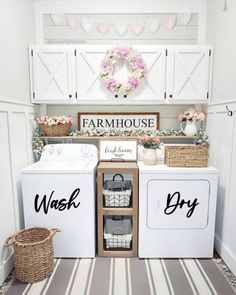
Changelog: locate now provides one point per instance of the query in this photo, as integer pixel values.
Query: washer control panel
(69, 152)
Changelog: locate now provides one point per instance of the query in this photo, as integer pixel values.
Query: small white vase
(149, 157)
(190, 128)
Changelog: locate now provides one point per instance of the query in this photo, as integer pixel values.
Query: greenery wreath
(137, 65)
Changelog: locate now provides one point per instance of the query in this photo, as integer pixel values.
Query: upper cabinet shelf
(70, 74)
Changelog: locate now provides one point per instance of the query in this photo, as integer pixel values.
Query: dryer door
(177, 204)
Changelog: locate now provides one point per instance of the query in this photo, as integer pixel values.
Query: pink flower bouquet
(150, 141)
(191, 115)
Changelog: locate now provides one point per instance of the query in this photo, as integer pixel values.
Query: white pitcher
(190, 128)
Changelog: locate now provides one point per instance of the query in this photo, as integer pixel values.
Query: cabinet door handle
(170, 95)
(70, 95)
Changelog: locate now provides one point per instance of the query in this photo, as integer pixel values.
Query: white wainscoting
(222, 134)
(15, 153)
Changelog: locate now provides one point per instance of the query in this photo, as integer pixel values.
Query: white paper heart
(103, 28)
(121, 28)
(137, 28)
(169, 22)
(57, 18)
(184, 18)
(153, 25)
(87, 25)
(72, 22)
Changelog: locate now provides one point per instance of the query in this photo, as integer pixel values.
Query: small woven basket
(56, 130)
(186, 156)
(33, 253)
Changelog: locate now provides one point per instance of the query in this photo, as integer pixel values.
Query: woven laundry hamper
(33, 253)
(56, 130)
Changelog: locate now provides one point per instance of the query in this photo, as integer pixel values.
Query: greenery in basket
(150, 141)
(37, 143)
(54, 120)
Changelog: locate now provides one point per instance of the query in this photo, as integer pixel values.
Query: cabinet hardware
(170, 95)
(209, 52)
(75, 52)
(166, 52)
(70, 95)
(33, 94)
(76, 94)
(165, 95)
(230, 113)
(32, 52)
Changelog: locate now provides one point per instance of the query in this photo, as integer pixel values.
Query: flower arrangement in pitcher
(191, 115)
(150, 141)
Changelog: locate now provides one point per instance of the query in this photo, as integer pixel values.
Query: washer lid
(61, 167)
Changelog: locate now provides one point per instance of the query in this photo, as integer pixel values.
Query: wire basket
(118, 232)
(56, 130)
(186, 156)
(33, 253)
(117, 192)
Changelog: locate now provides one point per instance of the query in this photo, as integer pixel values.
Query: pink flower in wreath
(134, 82)
(111, 84)
(122, 51)
(107, 65)
(138, 63)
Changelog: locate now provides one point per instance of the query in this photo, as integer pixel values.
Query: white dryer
(176, 211)
(59, 192)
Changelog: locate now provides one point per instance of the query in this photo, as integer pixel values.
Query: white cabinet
(70, 74)
(52, 73)
(91, 88)
(188, 73)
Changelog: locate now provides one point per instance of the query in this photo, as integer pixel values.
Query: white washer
(176, 211)
(59, 192)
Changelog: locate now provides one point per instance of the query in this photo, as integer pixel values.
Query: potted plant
(151, 144)
(55, 125)
(189, 118)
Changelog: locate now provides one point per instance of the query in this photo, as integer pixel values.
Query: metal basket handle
(117, 231)
(121, 176)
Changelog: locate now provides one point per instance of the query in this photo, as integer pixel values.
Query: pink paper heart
(72, 22)
(137, 28)
(103, 28)
(169, 22)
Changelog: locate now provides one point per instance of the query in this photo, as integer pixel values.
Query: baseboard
(6, 268)
(228, 257)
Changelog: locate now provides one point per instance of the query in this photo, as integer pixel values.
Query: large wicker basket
(33, 253)
(56, 130)
(186, 156)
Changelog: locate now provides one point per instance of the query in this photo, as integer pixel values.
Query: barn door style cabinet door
(92, 90)
(52, 74)
(188, 74)
(70, 74)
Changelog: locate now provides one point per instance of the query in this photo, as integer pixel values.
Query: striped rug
(126, 276)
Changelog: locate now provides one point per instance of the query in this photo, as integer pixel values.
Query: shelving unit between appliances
(117, 223)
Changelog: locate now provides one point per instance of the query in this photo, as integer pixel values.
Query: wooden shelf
(114, 137)
(123, 168)
(117, 211)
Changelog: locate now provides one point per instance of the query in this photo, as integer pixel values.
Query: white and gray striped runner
(129, 276)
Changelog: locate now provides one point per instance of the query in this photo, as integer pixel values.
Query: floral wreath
(134, 59)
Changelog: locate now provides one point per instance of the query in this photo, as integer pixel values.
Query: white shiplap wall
(15, 153)
(222, 130)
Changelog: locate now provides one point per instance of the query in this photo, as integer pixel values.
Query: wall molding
(16, 102)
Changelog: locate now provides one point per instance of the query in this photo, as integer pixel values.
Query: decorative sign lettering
(57, 204)
(127, 121)
(174, 201)
(124, 150)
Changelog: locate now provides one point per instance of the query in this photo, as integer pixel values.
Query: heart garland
(184, 18)
(73, 22)
(137, 28)
(103, 28)
(87, 25)
(169, 22)
(57, 18)
(121, 28)
(153, 25)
